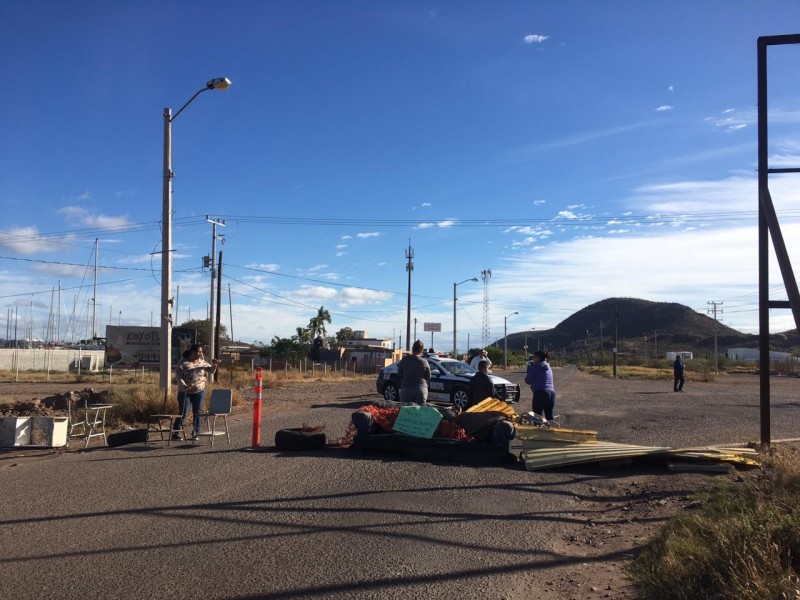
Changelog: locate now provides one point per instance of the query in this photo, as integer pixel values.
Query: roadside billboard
(132, 347)
(437, 327)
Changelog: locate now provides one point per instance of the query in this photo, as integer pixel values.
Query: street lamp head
(475, 279)
(220, 83)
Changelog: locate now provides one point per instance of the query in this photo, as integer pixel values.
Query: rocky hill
(643, 326)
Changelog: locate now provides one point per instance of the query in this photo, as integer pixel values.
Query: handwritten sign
(418, 421)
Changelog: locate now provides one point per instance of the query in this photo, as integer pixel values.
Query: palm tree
(302, 336)
(316, 326)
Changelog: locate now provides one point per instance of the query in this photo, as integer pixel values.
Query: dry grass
(631, 372)
(53, 376)
(744, 543)
(135, 402)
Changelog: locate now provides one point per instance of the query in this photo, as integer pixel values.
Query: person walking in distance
(677, 373)
(191, 375)
(540, 378)
(415, 375)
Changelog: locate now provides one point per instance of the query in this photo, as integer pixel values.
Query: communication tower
(486, 274)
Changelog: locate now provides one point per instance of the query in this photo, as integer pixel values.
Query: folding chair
(219, 406)
(162, 424)
(92, 425)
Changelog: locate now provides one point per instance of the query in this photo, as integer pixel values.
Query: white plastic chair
(219, 406)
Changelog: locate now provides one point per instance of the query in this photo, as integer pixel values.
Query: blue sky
(579, 150)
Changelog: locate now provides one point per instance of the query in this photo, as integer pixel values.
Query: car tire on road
(391, 393)
(460, 397)
(297, 439)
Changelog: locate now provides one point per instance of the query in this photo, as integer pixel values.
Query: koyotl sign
(131, 347)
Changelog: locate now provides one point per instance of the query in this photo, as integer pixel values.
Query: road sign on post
(432, 327)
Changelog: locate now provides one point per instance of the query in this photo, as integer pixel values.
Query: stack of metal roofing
(545, 454)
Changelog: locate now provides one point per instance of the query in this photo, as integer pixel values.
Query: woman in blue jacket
(540, 378)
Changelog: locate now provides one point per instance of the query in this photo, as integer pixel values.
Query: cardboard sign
(418, 421)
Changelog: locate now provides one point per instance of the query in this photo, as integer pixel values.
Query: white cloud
(347, 237)
(426, 204)
(444, 224)
(671, 88)
(369, 234)
(572, 216)
(82, 216)
(27, 241)
(316, 268)
(529, 152)
(264, 266)
(341, 246)
(686, 267)
(317, 292)
(361, 297)
(535, 38)
(664, 108)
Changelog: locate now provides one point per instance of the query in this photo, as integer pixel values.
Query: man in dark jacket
(481, 386)
(677, 372)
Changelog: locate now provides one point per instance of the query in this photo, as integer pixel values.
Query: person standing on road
(478, 358)
(540, 378)
(481, 386)
(677, 374)
(191, 375)
(182, 407)
(415, 375)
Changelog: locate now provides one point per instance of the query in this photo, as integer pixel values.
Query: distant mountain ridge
(661, 326)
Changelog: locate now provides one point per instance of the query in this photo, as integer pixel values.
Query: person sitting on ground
(481, 386)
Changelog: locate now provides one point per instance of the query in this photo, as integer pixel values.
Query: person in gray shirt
(415, 375)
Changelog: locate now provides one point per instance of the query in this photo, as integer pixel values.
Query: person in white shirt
(478, 358)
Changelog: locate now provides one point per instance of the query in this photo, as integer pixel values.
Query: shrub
(744, 543)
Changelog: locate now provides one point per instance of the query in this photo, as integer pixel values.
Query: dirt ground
(607, 513)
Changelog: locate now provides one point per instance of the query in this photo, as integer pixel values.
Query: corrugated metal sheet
(491, 405)
(573, 454)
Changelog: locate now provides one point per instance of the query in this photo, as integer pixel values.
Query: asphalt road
(189, 521)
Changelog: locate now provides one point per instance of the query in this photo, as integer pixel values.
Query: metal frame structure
(768, 226)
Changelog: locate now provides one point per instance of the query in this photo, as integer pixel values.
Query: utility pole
(616, 339)
(716, 307)
(94, 293)
(409, 268)
(602, 349)
(211, 309)
(219, 314)
(655, 342)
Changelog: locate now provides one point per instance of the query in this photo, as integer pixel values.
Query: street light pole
(505, 339)
(455, 285)
(165, 363)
